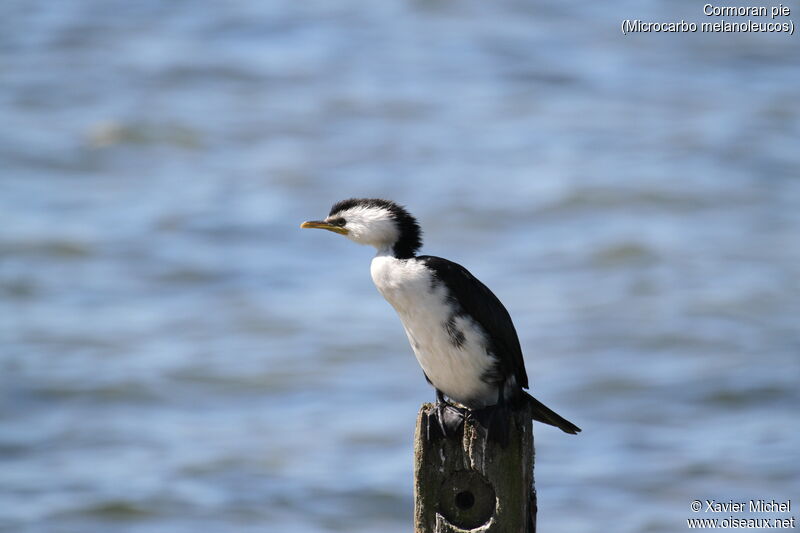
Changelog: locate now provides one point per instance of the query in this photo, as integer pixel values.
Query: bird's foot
(495, 419)
(448, 419)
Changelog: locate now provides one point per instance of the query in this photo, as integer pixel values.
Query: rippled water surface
(177, 355)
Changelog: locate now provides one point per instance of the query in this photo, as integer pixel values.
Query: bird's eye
(337, 222)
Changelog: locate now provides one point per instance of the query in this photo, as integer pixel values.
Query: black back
(471, 297)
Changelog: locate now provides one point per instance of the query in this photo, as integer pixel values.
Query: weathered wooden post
(464, 484)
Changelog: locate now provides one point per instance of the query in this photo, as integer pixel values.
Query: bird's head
(379, 223)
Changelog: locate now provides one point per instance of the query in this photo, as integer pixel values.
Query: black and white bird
(461, 334)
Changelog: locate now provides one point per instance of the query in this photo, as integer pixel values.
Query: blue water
(176, 355)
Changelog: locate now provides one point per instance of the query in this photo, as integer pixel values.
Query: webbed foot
(495, 421)
(447, 419)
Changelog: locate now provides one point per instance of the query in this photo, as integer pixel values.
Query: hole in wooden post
(466, 499)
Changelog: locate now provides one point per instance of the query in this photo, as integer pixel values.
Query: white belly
(456, 369)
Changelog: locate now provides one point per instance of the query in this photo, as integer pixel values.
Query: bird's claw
(440, 410)
(449, 420)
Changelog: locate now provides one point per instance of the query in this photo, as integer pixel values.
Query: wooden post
(463, 484)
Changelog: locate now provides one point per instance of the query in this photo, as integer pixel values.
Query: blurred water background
(176, 355)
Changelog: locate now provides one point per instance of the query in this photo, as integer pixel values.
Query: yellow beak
(319, 224)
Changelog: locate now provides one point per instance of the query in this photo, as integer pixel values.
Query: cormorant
(462, 335)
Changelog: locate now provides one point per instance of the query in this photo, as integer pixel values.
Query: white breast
(424, 310)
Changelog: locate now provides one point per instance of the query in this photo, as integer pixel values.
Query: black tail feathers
(544, 414)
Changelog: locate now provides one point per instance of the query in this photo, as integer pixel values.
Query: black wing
(476, 300)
